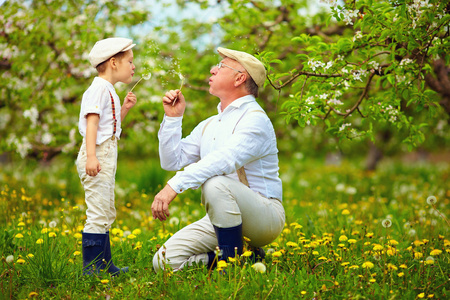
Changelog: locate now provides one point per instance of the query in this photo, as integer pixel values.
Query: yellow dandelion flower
(341, 245)
(291, 244)
(343, 238)
(429, 260)
(247, 253)
(247, 239)
(221, 264)
(378, 247)
(372, 280)
(393, 242)
(21, 261)
(446, 243)
(392, 267)
(131, 236)
(351, 241)
(367, 265)
(430, 296)
(369, 235)
(401, 274)
(345, 264)
(232, 259)
(39, 241)
(21, 224)
(354, 267)
(32, 294)
(116, 239)
(104, 281)
(345, 212)
(30, 255)
(44, 230)
(51, 234)
(322, 258)
(435, 252)
(355, 232)
(303, 292)
(277, 254)
(418, 243)
(418, 255)
(421, 295)
(138, 246)
(367, 243)
(275, 244)
(137, 231)
(77, 235)
(403, 266)
(18, 236)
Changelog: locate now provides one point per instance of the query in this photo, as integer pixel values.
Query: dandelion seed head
(386, 223)
(431, 200)
(147, 76)
(259, 267)
(52, 224)
(10, 259)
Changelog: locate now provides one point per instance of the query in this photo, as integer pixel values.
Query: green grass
(334, 244)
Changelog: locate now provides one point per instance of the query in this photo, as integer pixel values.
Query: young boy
(99, 124)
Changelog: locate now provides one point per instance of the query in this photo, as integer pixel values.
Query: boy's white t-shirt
(97, 100)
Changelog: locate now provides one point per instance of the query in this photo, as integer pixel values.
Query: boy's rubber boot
(230, 241)
(111, 268)
(93, 251)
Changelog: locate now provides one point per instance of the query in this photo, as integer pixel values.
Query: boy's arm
(128, 103)
(92, 163)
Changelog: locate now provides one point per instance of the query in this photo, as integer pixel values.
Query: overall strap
(114, 114)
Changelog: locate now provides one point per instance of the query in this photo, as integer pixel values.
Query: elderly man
(233, 157)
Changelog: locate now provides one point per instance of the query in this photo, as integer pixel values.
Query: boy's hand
(92, 166)
(129, 101)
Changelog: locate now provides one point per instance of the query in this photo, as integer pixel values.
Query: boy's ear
(113, 62)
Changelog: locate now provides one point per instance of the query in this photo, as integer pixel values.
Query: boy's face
(125, 68)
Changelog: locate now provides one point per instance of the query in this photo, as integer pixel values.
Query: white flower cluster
(348, 15)
(329, 2)
(22, 145)
(392, 113)
(357, 74)
(416, 10)
(313, 64)
(33, 115)
(358, 35)
(343, 126)
(335, 101)
(375, 65)
(406, 61)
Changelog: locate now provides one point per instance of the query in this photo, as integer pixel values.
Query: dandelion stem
(181, 86)
(136, 84)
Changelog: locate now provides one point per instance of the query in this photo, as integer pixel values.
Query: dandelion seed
(259, 267)
(10, 259)
(386, 223)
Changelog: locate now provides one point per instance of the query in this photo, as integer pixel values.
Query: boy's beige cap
(251, 64)
(107, 48)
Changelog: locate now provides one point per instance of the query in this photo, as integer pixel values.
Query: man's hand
(160, 205)
(174, 109)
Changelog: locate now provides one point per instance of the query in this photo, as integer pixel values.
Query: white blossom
(358, 35)
(32, 114)
(47, 138)
(348, 15)
(343, 126)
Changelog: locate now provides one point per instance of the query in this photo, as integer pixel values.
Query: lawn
(349, 234)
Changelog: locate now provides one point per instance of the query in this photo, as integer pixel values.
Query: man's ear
(240, 79)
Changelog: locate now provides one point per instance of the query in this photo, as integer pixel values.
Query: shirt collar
(237, 103)
(99, 80)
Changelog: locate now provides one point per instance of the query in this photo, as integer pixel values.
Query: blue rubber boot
(93, 251)
(230, 241)
(111, 268)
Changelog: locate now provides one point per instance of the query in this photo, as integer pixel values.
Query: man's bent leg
(230, 203)
(187, 246)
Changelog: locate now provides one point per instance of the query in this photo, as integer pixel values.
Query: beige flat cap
(107, 48)
(251, 64)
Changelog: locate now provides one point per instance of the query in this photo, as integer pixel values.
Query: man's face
(222, 79)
